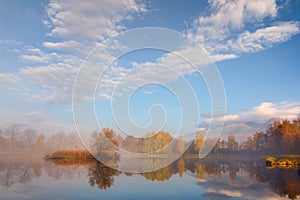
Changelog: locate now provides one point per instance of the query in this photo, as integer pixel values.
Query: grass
(70, 155)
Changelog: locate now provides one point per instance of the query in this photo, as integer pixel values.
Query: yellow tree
(288, 135)
(198, 142)
(157, 141)
(181, 144)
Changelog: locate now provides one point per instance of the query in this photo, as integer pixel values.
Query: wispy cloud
(33, 117)
(263, 38)
(36, 55)
(262, 113)
(77, 26)
(9, 81)
(90, 19)
(50, 83)
(224, 32)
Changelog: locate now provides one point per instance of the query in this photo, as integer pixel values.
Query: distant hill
(244, 130)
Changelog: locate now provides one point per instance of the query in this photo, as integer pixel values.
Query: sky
(44, 45)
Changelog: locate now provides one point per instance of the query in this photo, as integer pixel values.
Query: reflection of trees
(101, 175)
(284, 182)
(200, 170)
(181, 167)
(18, 172)
(64, 170)
(163, 174)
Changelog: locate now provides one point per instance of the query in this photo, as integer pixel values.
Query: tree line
(281, 137)
(14, 139)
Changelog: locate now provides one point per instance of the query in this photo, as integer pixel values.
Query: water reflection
(101, 176)
(12, 172)
(220, 178)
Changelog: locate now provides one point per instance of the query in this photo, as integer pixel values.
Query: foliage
(157, 141)
(282, 137)
(70, 155)
(104, 143)
(181, 144)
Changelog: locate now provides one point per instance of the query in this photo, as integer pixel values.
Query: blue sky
(254, 44)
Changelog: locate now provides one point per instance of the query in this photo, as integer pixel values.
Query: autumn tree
(248, 144)
(180, 144)
(157, 141)
(232, 144)
(217, 147)
(275, 135)
(288, 136)
(133, 144)
(198, 142)
(280, 137)
(104, 143)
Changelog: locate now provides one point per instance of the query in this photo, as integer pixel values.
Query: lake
(210, 178)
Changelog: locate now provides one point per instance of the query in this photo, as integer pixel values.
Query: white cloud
(51, 83)
(226, 15)
(9, 81)
(80, 24)
(264, 38)
(33, 117)
(93, 20)
(61, 45)
(263, 112)
(80, 49)
(224, 32)
(10, 42)
(221, 57)
(83, 23)
(36, 55)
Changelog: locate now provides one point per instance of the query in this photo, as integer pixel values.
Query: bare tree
(29, 138)
(73, 141)
(13, 131)
(1, 139)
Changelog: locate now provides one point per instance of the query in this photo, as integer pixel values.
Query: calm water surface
(184, 179)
